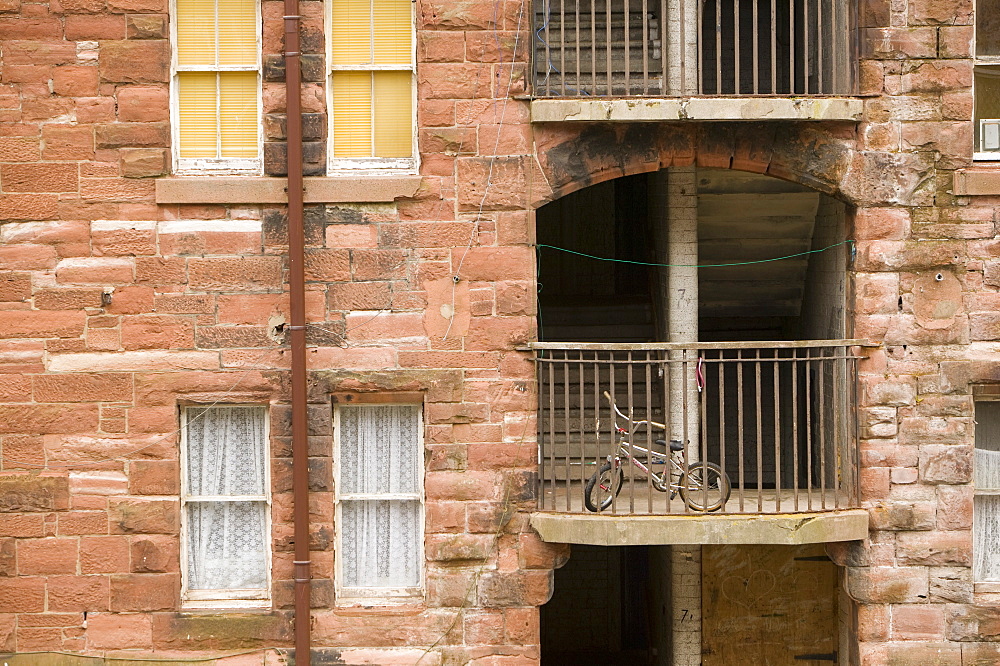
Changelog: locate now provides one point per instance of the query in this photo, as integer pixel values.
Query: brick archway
(572, 157)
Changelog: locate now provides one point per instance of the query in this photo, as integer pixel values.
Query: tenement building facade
(500, 332)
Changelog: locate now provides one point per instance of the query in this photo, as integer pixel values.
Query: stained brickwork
(114, 310)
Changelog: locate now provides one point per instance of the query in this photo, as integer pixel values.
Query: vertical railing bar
(593, 45)
(597, 417)
(581, 390)
(777, 433)
(791, 47)
(631, 428)
(703, 407)
(840, 448)
(614, 433)
(699, 47)
(805, 50)
(740, 418)
(755, 38)
(579, 68)
(685, 435)
(718, 47)
(562, 47)
(795, 429)
(851, 381)
(682, 38)
(722, 412)
(567, 417)
(547, 6)
(649, 430)
(665, 47)
(627, 32)
(552, 425)
(760, 437)
(819, 48)
(736, 46)
(645, 47)
(542, 444)
(607, 45)
(668, 468)
(821, 409)
(809, 454)
(774, 47)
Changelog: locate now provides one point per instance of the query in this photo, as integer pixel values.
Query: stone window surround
(268, 190)
(978, 181)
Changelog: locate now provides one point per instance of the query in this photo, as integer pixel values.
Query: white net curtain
(986, 512)
(227, 539)
(379, 492)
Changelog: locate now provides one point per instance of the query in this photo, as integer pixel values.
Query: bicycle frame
(662, 481)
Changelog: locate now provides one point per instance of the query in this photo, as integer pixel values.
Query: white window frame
(371, 165)
(981, 61)
(381, 595)
(250, 166)
(225, 598)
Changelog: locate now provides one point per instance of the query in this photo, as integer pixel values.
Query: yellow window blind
(392, 32)
(372, 81)
(351, 38)
(238, 114)
(393, 113)
(352, 103)
(196, 33)
(217, 79)
(237, 33)
(196, 96)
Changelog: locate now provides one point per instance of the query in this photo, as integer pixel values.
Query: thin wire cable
(506, 514)
(734, 263)
(456, 277)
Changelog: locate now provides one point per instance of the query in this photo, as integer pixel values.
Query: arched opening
(744, 219)
(757, 385)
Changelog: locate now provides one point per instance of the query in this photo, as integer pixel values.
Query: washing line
(650, 263)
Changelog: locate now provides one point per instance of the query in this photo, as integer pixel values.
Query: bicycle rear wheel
(602, 488)
(705, 487)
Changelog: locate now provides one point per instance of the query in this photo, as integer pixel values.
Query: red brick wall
(89, 391)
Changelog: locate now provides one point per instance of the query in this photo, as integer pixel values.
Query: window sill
(267, 190)
(633, 109)
(977, 181)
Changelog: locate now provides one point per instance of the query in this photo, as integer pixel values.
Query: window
(379, 496)
(216, 86)
(371, 84)
(224, 503)
(986, 509)
(986, 136)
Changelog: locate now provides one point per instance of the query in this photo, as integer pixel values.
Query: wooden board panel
(765, 605)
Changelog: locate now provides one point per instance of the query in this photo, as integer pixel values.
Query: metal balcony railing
(772, 420)
(624, 48)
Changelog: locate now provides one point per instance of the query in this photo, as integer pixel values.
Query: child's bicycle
(703, 485)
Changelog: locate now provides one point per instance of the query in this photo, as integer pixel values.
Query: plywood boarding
(767, 605)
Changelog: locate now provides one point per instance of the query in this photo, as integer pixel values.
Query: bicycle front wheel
(705, 487)
(603, 487)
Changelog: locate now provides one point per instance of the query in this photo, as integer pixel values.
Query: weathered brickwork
(115, 310)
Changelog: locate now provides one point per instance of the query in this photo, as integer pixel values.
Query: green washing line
(735, 263)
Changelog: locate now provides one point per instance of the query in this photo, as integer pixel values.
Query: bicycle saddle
(675, 444)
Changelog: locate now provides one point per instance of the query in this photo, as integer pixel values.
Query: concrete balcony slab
(702, 529)
(696, 108)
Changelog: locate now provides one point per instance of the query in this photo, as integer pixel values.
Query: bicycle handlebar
(607, 396)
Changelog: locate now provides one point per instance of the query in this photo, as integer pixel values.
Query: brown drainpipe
(297, 295)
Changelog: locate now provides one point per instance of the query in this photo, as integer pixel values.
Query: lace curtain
(226, 539)
(986, 512)
(379, 455)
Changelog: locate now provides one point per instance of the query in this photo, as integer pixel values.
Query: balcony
(772, 421)
(693, 60)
